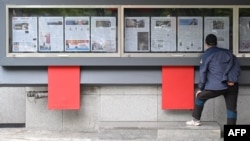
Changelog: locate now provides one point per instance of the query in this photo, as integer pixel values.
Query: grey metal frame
(64, 54)
(23, 59)
(175, 55)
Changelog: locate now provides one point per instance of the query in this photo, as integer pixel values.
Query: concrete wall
(107, 103)
(12, 105)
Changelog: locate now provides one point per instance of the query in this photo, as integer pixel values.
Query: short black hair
(211, 39)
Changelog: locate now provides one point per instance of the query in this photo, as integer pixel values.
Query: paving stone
(120, 131)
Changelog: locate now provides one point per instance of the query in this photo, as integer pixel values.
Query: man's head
(211, 40)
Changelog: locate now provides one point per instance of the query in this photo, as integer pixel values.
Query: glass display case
(243, 46)
(160, 31)
(122, 31)
(62, 31)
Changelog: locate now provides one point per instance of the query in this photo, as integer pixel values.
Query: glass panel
(244, 30)
(63, 30)
(175, 30)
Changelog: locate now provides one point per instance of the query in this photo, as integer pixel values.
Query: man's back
(215, 65)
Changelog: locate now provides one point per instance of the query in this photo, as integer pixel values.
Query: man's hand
(230, 83)
(197, 93)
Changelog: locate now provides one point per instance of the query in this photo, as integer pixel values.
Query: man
(219, 72)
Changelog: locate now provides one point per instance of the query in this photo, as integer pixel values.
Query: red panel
(177, 87)
(63, 87)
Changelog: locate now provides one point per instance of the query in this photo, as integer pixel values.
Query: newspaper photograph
(51, 34)
(218, 26)
(137, 34)
(244, 39)
(163, 34)
(190, 33)
(103, 34)
(24, 34)
(77, 34)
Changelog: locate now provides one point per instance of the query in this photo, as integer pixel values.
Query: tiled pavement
(123, 131)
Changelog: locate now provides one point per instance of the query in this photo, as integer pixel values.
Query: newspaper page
(77, 34)
(103, 34)
(218, 26)
(51, 34)
(137, 34)
(24, 33)
(163, 34)
(244, 34)
(190, 31)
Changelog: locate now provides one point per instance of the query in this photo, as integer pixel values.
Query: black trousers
(231, 97)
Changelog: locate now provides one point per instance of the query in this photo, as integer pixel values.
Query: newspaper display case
(174, 31)
(242, 48)
(120, 34)
(62, 31)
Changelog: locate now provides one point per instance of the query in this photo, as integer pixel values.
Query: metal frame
(141, 54)
(114, 59)
(236, 32)
(64, 54)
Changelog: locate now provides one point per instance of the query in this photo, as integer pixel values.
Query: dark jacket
(214, 68)
(234, 72)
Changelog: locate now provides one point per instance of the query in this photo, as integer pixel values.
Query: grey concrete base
(120, 131)
(159, 131)
(24, 134)
(127, 134)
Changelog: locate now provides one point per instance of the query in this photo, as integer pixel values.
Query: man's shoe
(193, 123)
